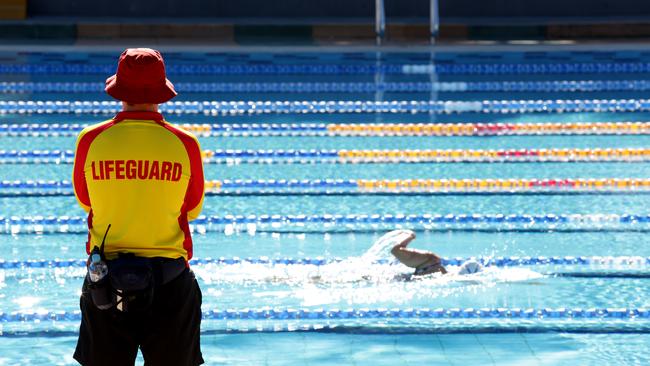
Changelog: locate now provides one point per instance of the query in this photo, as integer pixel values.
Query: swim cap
(469, 267)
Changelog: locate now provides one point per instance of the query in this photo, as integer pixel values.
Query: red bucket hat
(140, 78)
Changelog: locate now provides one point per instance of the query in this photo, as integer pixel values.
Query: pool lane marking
(354, 156)
(376, 186)
(433, 328)
(528, 86)
(467, 314)
(361, 129)
(607, 262)
(363, 68)
(302, 107)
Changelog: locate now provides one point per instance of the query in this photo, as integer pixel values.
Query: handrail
(380, 20)
(434, 20)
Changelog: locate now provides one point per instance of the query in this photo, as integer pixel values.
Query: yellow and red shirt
(144, 177)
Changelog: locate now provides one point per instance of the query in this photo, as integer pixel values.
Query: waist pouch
(131, 282)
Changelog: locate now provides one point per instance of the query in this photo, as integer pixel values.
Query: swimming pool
(305, 177)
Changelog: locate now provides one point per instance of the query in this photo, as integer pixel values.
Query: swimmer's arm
(412, 257)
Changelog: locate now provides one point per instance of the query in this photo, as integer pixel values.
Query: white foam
(381, 246)
(359, 280)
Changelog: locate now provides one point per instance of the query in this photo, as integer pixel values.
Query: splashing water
(375, 266)
(380, 248)
(368, 279)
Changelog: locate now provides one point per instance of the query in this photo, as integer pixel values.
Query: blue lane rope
(333, 156)
(345, 69)
(36, 156)
(324, 129)
(263, 223)
(554, 86)
(351, 187)
(211, 130)
(215, 156)
(626, 314)
(511, 261)
(373, 329)
(65, 185)
(348, 193)
(215, 108)
(603, 275)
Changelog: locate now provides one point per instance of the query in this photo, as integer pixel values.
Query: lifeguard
(141, 177)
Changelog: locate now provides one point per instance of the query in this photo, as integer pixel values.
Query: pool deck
(173, 45)
(215, 32)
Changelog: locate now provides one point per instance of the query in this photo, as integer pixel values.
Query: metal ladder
(380, 20)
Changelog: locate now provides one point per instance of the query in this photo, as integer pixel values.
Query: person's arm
(412, 257)
(196, 189)
(79, 184)
(84, 140)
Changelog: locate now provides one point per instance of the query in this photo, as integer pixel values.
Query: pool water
(282, 293)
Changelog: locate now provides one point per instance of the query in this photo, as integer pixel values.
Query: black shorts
(168, 334)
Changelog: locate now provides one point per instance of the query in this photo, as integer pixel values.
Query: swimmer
(358, 269)
(424, 262)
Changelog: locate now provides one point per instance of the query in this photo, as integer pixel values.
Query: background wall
(269, 9)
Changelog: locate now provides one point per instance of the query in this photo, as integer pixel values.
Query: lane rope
(251, 224)
(333, 187)
(360, 129)
(221, 108)
(541, 314)
(490, 129)
(510, 261)
(344, 69)
(369, 156)
(553, 86)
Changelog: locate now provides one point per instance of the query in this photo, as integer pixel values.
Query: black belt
(131, 281)
(166, 270)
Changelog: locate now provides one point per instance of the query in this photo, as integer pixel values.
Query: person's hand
(408, 235)
(411, 233)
